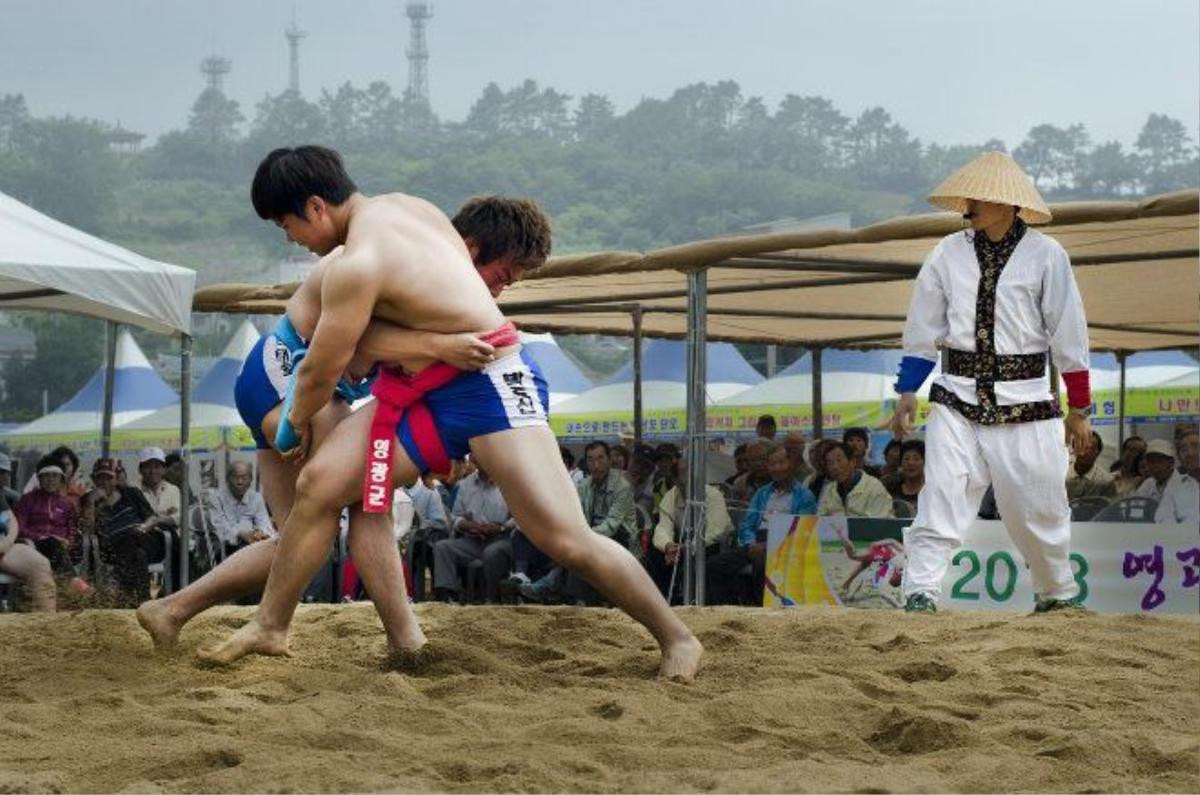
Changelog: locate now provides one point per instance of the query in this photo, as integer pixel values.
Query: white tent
(45, 264)
(212, 399)
(562, 374)
(137, 391)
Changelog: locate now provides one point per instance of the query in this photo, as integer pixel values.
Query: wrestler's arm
(348, 296)
(386, 342)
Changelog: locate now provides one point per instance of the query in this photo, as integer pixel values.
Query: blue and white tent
(664, 380)
(847, 376)
(562, 374)
(138, 391)
(212, 397)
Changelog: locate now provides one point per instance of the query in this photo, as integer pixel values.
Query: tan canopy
(1137, 264)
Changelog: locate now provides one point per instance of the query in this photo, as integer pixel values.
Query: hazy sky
(948, 71)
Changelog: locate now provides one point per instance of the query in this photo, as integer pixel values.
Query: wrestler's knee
(569, 549)
(320, 485)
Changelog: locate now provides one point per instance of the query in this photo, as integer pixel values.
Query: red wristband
(1079, 389)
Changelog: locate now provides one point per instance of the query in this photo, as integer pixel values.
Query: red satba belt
(396, 391)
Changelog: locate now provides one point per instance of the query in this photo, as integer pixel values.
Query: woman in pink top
(49, 518)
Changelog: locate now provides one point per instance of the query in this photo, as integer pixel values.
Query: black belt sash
(985, 365)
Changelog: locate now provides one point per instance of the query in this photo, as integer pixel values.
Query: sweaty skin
(404, 262)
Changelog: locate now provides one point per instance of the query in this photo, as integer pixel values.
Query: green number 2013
(1005, 560)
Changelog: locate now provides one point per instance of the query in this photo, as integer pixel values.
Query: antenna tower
(419, 15)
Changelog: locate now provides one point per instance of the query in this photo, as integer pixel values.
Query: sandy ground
(563, 699)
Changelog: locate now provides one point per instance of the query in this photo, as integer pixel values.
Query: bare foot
(155, 617)
(409, 642)
(681, 660)
(250, 639)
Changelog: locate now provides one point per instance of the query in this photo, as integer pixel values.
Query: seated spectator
(851, 491)
(126, 527)
(607, 501)
(755, 476)
(568, 459)
(765, 428)
(620, 458)
(1178, 495)
(238, 515)
(25, 563)
(858, 442)
(816, 459)
(481, 523)
(1189, 454)
(663, 554)
(429, 527)
(739, 468)
(641, 481)
(891, 460)
(6, 474)
(163, 497)
(49, 519)
(794, 443)
(448, 488)
(906, 484)
(782, 495)
(1126, 469)
(666, 473)
(68, 462)
(174, 475)
(1085, 479)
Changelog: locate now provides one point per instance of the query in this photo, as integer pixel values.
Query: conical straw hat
(992, 177)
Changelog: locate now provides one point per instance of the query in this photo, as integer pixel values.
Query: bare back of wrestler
(403, 262)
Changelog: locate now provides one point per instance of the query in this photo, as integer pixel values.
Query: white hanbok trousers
(1026, 464)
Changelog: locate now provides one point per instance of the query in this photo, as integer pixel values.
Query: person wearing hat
(993, 302)
(1177, 494)
(164, 497)
(6, 474)
(48, 518)
(125, 525)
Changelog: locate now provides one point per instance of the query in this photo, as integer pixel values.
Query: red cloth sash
(396, 391)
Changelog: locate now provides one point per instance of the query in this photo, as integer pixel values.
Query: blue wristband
(285, 435)
(913, 372)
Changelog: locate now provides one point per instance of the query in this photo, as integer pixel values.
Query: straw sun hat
(992, 177)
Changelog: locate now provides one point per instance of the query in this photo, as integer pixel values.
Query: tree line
(707, 160)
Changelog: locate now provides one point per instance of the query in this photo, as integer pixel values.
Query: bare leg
(242, 573)
(245, 571)
(331, 479)
(373, 548)
(33, 569)
(546, 506)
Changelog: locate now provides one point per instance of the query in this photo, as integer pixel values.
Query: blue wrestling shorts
(262, 382)
(509, 393)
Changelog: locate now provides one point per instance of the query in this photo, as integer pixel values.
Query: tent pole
(110, 374)
(772, 361)
(697, 378)
(185, 422)
(1121, 357)
(637, 375)
(817, 408)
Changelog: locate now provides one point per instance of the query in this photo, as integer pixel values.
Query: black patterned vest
(984, 364)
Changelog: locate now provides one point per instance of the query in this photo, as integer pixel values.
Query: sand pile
(563, 699)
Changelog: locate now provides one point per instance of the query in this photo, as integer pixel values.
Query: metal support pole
(772, 360)
(695, 521)
(185, 422)
(818, 408)
(1121, 357)
(110, 376)
(637, 375)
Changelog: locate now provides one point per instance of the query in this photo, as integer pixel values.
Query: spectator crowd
(461, 543)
